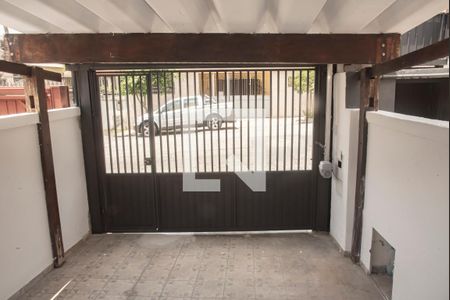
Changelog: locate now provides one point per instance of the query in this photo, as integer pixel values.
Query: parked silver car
(187, 112)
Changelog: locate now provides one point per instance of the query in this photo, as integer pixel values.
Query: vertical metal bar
(174, 125)
(149, 111)
(108, 125)
(256, 120)
(226, 118)
(263, 121)
(248, 119)
(129, 123)
(285, 119)
(234, 121)
(300, 90)
(181, 121)
(292, 119)
(115, 125)
(123, 132)
(270, 121)
(160, 124)
(189, 121)
(203, 120)
(152, 145)
(196, 122)
(218, 110)
(151, 120)
(240, 115)
(135, 125)
(306, 118)
(211, 130)
(164, 74)
(278, 117)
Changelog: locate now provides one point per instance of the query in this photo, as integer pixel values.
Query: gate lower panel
(285, 205)
(130, 203)
(196, 211)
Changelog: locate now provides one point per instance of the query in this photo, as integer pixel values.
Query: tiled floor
(284, 266)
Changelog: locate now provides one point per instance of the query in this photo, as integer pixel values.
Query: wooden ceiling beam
(427, 54)
(200, 48)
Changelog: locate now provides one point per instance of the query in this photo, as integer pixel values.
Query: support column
(37, 100)
(388, 48)
(369, 101)
(87, 96)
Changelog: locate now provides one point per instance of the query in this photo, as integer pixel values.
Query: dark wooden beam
(368, 102)
(14, 68)
(36, 100)
(24, 70)
(198, 48)
(52, 76)
(370, 77)
(421, 56)
(35, 90)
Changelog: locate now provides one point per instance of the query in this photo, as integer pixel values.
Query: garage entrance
(233, 125)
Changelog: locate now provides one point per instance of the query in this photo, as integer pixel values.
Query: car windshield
(170, 106)
(207, 100)
(192, 102)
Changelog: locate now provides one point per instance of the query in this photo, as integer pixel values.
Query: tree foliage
(137, 85)
(305, 82)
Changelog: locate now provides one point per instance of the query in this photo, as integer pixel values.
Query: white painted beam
(267, 23)
(22, 21)
(126, 16)
(68, 15)
(349, 16)
(295, 16)
(231, 16)
(186, 16)
(404, 15)
(205, 14)
(143, 15)
(240, 16)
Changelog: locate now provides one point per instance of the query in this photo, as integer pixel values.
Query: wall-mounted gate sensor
(326, 169)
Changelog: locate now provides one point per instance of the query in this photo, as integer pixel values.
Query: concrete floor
(278, 266)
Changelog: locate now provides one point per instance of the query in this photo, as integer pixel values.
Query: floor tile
(150, 267)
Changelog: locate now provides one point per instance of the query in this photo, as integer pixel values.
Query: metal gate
(230, 124)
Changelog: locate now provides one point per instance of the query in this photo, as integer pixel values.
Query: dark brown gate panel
(131, 202)
(287, 203)
(196, 211)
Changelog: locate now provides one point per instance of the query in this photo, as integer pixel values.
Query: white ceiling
(217, 16)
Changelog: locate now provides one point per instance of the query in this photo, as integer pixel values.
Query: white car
(188, 112)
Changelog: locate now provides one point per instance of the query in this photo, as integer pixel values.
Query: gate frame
(87, 96)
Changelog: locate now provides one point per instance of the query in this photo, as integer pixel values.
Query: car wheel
(145, 129)
(214, 122)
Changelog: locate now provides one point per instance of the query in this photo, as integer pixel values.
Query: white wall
(70, 176)
(25, 249)
(25, 242)
(407, 201)
(345, 149)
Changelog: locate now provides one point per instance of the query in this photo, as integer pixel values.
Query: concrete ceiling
(217, 16)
